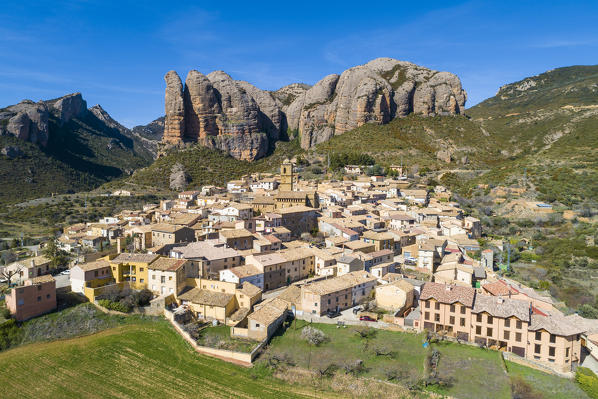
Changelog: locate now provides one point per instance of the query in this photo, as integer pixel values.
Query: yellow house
(132, 268)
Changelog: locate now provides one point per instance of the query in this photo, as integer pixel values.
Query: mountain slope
(79, 150)
(548, 125)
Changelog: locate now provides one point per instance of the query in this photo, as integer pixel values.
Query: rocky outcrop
(27, 121)
(11, 152)
(245, 121)
(68, 107)
(222, 113)
(377, 92)
(174, 125)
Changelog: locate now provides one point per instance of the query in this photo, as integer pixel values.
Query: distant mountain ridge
(59, 145)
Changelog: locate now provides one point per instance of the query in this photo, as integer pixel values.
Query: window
(551, 350)
(452, 320)
(478, 330)
(257, 325)
(490, 319)
(95, 273)
(47, 296)
(328, 301)
(141, 269)
(552, 338)
(142, 280)
(153, 276)
(519, 324)
(462, 322)
(489, 332)
(452, 308)
(537, 348)
(518, 337)
(437, 305)
(566, 352)
(479, 318)
(538, 335)
(21, 302)
(163, 280)
(169, 278)
(507, 323)
(507, 335)
(436, 317)
(427, 316)
(462, 309)
(39, 298)
(39, 287)
(428, 304)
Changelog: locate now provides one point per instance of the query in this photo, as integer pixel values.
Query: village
(372, 251)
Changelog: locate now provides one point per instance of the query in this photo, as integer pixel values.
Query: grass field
(134, 361)
(548, 385)
(463, 364)
(346, 346)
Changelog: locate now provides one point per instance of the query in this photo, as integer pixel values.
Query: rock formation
(174, 127)
(29, 121)
(245, 121)
(377, 92)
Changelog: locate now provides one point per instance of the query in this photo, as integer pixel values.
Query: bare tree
(8, 274)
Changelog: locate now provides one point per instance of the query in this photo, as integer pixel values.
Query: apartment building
(91, 275)
(132, 268)
(506, 324)
(36, 297)
(164, 233)
(243, 273)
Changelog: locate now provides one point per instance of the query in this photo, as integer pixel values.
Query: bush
(521, 389)
(313, 335)
(588, 311)
(111, 305)
(10, 334)
(588, 381)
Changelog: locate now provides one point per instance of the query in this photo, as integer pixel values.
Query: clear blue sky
(117, 52)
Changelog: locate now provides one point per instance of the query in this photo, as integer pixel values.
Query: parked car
(357, 310)
(66, 272)
(366, 318)
(333, 313)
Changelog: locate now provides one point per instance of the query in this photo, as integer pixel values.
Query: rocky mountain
(59, 145)
(245, 121)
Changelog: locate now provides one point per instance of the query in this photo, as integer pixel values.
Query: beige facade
(396, 296)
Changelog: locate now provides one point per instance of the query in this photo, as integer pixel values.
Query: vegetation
(206, 166)
(125, 300)
(140, 359)
(219, 337)
(532, 383)
(80, 155)
(588, 381)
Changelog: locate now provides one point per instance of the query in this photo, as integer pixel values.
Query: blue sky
(117, 52)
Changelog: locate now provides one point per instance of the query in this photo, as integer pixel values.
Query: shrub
(313, 335)
(588, 311)
(521, 389)
(588, 381)
(10, 334)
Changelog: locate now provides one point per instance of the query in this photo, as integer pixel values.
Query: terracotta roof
(98, 264)
(502, 307)
(42, 279)
(500, 288)
(127, 257)
(249, 289)
(245, 271)
(206, 297)
(448, 293)
(167, 264)
(269, 312)
(555, 324)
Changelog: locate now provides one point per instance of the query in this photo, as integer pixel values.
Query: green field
(548, 385)
(345, 346)
(134, 361)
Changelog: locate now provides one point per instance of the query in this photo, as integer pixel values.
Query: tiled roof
(42, 279)
(127, 257)
(554, 324)
(500, 288)
(502, 307)
(269, 312)
(98, 264)
(167, 264)
(448, 294)
(206, 297)
(249, 289)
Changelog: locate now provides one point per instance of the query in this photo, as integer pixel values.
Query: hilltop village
(369, 251)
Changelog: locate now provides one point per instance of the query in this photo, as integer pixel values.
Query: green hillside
(416, 140)
(547, 125)
(206, 166)
(81, 155)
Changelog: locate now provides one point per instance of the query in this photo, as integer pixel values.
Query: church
(287, 196)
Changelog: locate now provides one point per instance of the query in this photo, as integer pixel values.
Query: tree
(58, 258)
(8, 274)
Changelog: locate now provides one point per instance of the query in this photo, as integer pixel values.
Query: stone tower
(286, 176)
